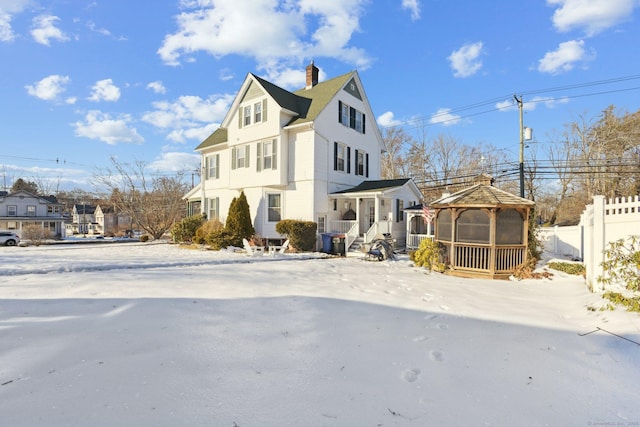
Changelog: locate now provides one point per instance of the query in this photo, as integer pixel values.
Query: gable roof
(219, 136)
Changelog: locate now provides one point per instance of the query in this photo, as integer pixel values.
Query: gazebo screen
(473, 226)
(443, 224)
(509, 227)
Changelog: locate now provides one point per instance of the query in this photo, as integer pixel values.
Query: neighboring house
(83, 220)
(312, 155)
(22, 208)
(111, 223)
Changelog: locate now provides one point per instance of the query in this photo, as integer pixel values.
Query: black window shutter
(340, 112)
(357, 166)
(397, 210)
(352, 117)
(335, 156)
(363, 122)
(348, 159)
(367, 165)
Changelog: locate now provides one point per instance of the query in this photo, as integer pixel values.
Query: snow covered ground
(134, 334)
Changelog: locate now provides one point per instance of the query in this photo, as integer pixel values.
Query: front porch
(372, 210)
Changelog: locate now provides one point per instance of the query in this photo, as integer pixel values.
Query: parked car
(9, 238)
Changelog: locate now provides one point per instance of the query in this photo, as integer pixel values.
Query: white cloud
(44, 30)
(189, 117)
(444, 117)
(101, 126)
(93, 27)
(387, 119)
(296, 32)
(173, 161)
(157, 87)
(564, 58)
(413, 6)
(465, 61)
(49, 88)
(9, 8)
(593, 16)
(104, 90)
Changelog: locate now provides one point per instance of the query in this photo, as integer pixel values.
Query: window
(257, 112)
(31, 210)
(12, 225)
(247, 115)
(362, 163)
(274, 207)
(213, 166)
(12, 210)
(344, 113)
(351, 117)
(266, 155)
(214, 208)
(399, 210)
(53, 209)
(341, 157)
(240, 157)
(321, 222)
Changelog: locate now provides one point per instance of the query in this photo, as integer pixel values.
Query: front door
(368, 217)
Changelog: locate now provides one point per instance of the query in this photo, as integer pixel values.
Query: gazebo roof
(481, 195)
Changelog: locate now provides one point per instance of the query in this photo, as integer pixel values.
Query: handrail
(352, 235)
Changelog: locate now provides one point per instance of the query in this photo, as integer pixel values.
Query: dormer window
(250, 114)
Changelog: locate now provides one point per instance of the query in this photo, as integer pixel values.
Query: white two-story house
(19, 209)
(313, 154)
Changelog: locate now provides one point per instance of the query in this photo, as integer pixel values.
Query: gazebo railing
(477, 257)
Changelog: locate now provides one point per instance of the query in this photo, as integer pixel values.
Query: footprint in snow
(436, 356)
(411, 375)
(421, 338)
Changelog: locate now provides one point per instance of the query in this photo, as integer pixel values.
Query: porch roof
(374, 186)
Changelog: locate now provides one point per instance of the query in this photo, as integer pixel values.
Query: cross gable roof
(303, 104)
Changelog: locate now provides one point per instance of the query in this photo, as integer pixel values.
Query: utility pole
(519, 101)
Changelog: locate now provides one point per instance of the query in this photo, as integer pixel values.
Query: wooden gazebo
(484, 230)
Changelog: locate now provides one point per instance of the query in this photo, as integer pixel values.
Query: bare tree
(154, 203)
(394, 160)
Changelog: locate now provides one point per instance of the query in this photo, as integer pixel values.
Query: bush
(36, 234)
(222, 238)
(631, 303)
(205, 230)
(144, 238)
(185, 230)
(428, 255)
(301, 234)
(622, 263)
(569, 267)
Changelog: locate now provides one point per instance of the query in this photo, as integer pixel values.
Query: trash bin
(327, 244)
(338, 247)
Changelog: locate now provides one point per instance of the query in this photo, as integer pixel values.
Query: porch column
(377, 212)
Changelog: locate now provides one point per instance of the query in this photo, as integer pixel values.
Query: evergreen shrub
(301, 234)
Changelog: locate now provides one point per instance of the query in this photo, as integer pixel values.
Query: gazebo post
(492, 241)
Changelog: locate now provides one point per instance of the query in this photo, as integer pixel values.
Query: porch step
(355, 246)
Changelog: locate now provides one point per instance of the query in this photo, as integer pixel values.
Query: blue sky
(148, 80)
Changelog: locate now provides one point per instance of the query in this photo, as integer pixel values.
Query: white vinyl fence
(604, 221)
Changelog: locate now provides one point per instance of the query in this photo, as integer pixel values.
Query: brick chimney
(312, 75)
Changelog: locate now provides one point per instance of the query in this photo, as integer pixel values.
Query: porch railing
(413, 240)
(342, 226)
(375, 229)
